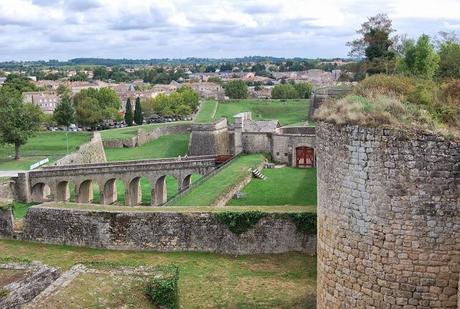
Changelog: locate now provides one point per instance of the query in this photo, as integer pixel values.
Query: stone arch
(41, 192)
(188, 180)
(108, 192)
(134, 196)
(62, 191)
(84, 192)
(160, 192)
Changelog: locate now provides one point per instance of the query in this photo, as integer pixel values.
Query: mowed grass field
(163, 147)
(287, 112)
(206, 112)
(283, 186)
(206, 280)
(52, 145)
(128, 132)
(206, 193)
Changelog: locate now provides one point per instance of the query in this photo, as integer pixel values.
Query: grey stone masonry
(388, 218)
(162, 231)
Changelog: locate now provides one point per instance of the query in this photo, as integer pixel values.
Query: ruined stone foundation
(388, 219)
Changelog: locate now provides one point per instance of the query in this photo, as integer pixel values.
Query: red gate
(305, 157)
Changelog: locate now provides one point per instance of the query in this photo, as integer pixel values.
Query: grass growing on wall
(283, 186)
(206, 112)
(52, 145)
(128, 132)
(286, 112)
(163, 147)
(206, 280)
(207, 192)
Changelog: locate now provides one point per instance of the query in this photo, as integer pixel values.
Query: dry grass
(8, 276)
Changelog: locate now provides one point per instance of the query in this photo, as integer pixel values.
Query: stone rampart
(388, 219)
(6, 222)
(91, 152)
(142, 137)
(162, 231)
(209, 139)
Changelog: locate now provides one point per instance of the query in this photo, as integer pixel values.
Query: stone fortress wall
(142, 137)
(209, 139)
(91, 152)
(160, 231)
(388, 219)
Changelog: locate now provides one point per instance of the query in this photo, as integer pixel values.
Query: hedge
(164, 290)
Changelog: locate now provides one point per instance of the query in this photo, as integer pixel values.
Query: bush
(236, 89)
(164, 290)
(388, 84)
(305, 222)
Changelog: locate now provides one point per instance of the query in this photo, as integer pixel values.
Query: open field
(52, 145)
(208, 191)
(163, 147)
(206, 280)
(287, 111)
(132, 131)
(91, 290)
(283, 186)
(206, 112)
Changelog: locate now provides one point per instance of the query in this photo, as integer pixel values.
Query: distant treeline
(164, 61)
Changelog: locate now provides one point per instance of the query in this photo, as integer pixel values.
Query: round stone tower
(388, 218)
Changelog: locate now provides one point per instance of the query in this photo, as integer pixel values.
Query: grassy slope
(261, 281)
(45, 144)
(288, 112)
(165, 146)
(206, 112)
(132, 131)
(207, 192)
(283, 186)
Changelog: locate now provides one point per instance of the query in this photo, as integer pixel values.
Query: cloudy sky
(64, 29)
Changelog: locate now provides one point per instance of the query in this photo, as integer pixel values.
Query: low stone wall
(38, 277)
(6, 222)
(162, 231)
(144, 137)
(91, 152)
(7, 190)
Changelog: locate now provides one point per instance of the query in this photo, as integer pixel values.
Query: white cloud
(44, 29)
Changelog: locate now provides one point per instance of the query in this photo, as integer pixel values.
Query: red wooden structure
(305, 157)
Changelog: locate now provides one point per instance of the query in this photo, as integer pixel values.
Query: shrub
(236, 89)
(305, 222)
(239, 222)
(164, 290)
(389, 84)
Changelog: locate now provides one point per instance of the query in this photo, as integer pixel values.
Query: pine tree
(138, 118)
(129, 113)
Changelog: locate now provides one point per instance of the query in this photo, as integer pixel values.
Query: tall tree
(449, 54)
(138, 117)
(129, 113)
(236, 89)
(18, 122)
(420, 59)
(375, 44)
(64, 114)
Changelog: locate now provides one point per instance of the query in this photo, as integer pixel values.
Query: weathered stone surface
(388, 219)
(91, 152)
(162, 231)
(6, 222)
(38, 278)
(209, 139)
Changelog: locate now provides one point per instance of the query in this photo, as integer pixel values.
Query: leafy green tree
(375, 44)
(284, 91)
(18, 122)
(190, 97)
(106, 103)
(129, 113)
(63, 90)
(420, 59)
(449, 63)
(64, 114)
(236, 89)
(303, 90)
(138, 117)
(88, 112)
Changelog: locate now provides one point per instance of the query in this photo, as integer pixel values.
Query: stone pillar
(22, 188)
(108, 192)
(84, 192)
(185, 183)
(388, 219)
(160, 192)
(6, 222)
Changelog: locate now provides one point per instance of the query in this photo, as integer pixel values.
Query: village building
(46, 100)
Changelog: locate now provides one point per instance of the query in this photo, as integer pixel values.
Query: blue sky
(64, 29)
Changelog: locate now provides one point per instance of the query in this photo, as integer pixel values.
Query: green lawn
(206, 112)
(287, 112)
(283, 186)
(163, 147)
(52, 145)
(127, 132)
(206, 193)
(206, 280)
